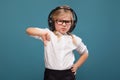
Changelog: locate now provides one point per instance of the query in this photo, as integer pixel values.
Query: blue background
(21, 57)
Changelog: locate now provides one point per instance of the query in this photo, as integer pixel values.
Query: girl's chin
(63, 32)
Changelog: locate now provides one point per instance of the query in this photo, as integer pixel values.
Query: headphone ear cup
(74, 23)
(51, 24)
(73, 26)
(50, 21)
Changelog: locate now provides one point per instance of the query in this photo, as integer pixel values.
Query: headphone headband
(51, 22)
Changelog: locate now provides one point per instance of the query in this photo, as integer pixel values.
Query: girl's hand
(45, 37)
(74, 68)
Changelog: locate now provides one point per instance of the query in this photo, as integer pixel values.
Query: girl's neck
(58, 33)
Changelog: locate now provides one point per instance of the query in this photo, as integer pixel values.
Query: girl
(59, 44)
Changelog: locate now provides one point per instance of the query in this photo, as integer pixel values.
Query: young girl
(59, 44)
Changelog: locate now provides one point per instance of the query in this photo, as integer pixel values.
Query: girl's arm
(34, 32)
(80, 61)
(39, 32)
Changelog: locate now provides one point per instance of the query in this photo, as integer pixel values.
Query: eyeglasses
(67, 22)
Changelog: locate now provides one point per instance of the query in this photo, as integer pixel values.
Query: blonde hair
(61, 12)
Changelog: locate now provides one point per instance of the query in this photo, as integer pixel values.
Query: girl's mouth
(63, 29)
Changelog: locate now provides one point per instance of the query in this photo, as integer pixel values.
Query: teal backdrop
(22, 58)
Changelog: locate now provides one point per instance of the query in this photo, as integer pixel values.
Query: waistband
(57, 70)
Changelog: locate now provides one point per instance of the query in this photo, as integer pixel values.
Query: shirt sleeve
(81, 47)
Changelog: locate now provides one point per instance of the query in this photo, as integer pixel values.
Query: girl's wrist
(77, 66)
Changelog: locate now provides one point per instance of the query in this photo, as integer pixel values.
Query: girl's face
(63, 23)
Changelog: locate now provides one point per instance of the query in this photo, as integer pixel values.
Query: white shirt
(59, 51)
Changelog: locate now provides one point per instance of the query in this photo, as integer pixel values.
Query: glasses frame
(67, 22)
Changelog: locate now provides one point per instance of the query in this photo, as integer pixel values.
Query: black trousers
(58, 75)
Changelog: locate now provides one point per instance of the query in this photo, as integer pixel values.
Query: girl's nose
(64, 24)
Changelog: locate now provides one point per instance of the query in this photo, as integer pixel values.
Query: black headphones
(51, 22)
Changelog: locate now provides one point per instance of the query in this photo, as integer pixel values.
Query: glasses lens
(59, 22)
